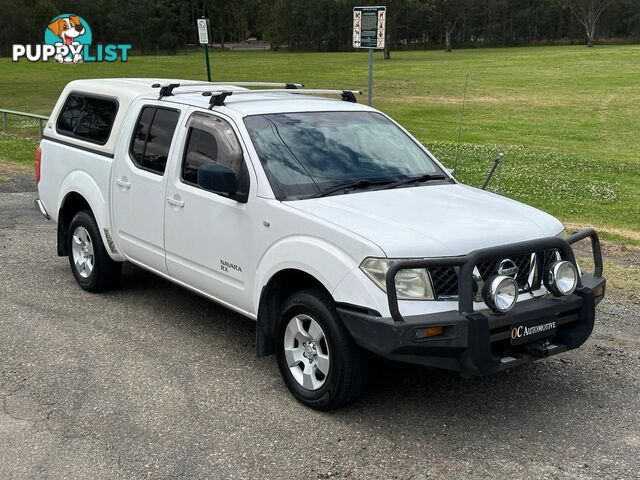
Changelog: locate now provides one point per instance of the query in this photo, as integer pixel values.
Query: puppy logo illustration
(68, 40)
(71, 31)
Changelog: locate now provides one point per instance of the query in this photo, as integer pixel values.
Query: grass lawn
(567, 118)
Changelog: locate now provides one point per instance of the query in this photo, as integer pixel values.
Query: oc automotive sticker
(521, 332)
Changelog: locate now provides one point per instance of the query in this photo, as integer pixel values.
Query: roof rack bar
(218, 97)
(350, 96)
(292, 86)
(167, 90)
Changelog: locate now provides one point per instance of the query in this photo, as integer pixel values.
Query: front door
(139, 185)
(208, 236)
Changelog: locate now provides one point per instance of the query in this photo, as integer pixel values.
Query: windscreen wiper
(356, 185)
(427, 177)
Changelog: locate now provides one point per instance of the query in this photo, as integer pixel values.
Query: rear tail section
(38, 163)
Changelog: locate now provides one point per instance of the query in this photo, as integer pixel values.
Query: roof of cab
(127, 90)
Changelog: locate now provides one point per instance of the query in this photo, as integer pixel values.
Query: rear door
(139, 182)
(209, 236)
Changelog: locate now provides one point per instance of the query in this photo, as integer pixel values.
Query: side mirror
(218, 178)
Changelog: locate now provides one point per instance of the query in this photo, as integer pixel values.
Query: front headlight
(411, 284)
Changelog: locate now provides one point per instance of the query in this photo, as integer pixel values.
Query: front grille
(490, 268)
(445, 279)
(550, 256)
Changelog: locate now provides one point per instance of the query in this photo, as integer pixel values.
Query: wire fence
(30, 122)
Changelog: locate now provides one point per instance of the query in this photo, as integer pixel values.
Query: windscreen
(306, 153)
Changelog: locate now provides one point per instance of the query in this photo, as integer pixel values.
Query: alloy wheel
(306, 352)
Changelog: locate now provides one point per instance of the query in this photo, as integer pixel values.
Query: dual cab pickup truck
(321, 219)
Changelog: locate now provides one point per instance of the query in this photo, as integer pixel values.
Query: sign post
(368, 32)
(203, 37)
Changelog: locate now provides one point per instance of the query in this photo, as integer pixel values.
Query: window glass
(159, 139)
(152, 138)
(202, 148)
(70, 114)
(212, 140)
(87, 118)
(306, 153)
(140, 134)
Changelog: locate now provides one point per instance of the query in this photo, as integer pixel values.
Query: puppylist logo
(68, 39)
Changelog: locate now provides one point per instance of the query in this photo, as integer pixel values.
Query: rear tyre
(90, 263)
(319, 361)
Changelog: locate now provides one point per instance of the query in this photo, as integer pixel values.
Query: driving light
(561, 278)
(411, 284)
(500, 293)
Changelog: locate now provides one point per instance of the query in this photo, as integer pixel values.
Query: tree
(448, 13)
(24, 22)
(399, 14)
(587, 12)
(159, 26)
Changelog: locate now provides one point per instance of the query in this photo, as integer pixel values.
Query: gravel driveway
(153, 381)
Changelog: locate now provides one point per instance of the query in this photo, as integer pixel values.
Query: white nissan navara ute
(321, 219)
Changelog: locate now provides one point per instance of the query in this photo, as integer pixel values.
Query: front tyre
(90, 263)
(319, 361)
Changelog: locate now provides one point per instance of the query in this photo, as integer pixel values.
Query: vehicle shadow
(400, 396)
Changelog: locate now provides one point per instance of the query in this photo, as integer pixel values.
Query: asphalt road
(153, 381)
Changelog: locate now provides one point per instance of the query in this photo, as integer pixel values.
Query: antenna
(464, 101)
(492, 170)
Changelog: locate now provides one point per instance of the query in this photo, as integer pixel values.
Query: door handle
(122, 182)
(176, 201)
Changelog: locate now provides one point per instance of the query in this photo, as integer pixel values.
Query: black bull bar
(467, 263)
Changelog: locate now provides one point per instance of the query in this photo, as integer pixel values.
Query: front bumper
(480, 343)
